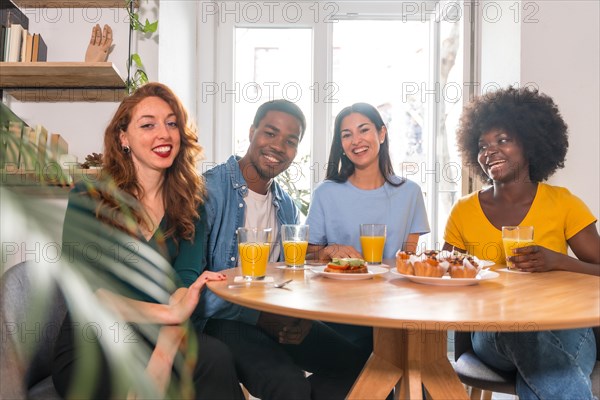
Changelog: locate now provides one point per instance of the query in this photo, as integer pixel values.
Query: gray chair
(484, 379)
(27, 344)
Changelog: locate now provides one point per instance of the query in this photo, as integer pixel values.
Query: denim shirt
(225, 212)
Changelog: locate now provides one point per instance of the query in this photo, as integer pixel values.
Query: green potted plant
(92, 161)
(136, 75)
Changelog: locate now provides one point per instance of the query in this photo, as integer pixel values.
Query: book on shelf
(14, 45)
(39, 50)
(2, 39)
(27, 48)
(11, 145)
(58, 146)
(38, 139)
(29, 150)
(23, 44)
(11, 14)
(6, 43)
(11, 126)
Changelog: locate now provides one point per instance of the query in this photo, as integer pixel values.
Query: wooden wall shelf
(51, 182)
(71, 3)
(62, 81)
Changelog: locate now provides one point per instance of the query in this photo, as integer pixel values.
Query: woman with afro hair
(519, 139)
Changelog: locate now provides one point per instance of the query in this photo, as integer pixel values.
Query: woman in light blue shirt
(361, 188)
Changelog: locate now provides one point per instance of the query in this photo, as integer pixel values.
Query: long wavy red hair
(183, 188)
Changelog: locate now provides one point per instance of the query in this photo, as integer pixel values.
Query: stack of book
(25, 148)
(17, 44)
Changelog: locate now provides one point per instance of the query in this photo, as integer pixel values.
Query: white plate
(378, 265)
(267, 279)
(373, 271)
(293, 268)
(447, 281)
(513, 271)
(486, 263)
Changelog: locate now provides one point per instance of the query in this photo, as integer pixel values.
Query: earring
(343, 154)
(126, 150)
(382, 142)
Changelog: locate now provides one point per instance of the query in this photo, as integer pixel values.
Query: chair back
(474, 372)
(28, 335)
(462, 343)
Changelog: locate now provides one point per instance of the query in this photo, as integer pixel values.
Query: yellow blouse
(555, 214)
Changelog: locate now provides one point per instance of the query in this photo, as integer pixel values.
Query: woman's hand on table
(183, 302)
(286, 330)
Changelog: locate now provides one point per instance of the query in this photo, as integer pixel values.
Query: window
(274, 63)
(404, 58)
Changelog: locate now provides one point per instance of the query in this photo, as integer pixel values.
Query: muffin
(402, 262)
(428, 265)
(463, 267)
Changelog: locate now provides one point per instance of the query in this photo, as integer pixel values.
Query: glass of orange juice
(372, 241)
(295, 243)
(515, 237)
(254, 245)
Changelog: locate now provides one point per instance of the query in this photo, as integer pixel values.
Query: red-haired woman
(148, 203)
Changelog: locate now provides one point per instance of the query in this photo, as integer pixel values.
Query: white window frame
(215, 37)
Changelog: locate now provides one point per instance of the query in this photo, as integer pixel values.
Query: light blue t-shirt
(337, 210)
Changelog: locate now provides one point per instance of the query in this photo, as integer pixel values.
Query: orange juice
(372, 248)
(254, 257)
(510, 244)
(295, 252)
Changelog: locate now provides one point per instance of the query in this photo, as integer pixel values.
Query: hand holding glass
(515, 237)
(295, 243)
(372, 241)
(254, 245)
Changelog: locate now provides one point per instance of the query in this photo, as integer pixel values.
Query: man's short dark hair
(284, 106)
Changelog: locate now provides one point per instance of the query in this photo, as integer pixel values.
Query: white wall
(501, 45)
(560, 53)
(554, 45)
(177, 61)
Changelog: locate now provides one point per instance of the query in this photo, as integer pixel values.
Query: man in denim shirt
(271, 351)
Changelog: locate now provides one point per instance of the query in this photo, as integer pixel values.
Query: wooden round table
(411, 320)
